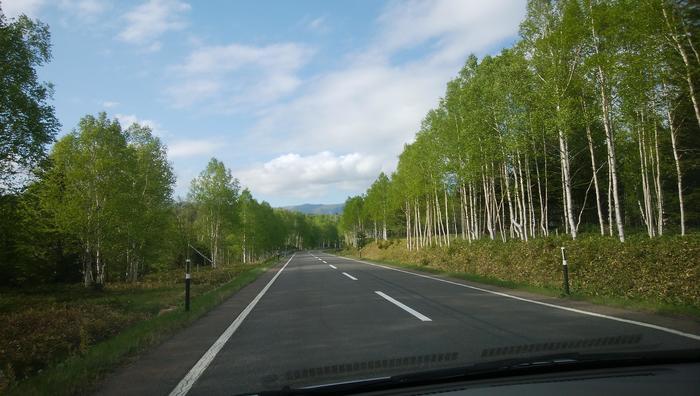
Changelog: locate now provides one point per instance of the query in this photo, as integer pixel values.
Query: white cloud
(318, 25)
(13, 8)
(300, 176)
(189, 92)
(374, 104)
(191, 148)
(108, 104)
(86, 10)
(452, 26)
(126, 120)
(148, 21)
(371, 109)
(237, 75)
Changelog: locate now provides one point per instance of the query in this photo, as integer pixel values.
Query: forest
(102, 209)
(589, 123)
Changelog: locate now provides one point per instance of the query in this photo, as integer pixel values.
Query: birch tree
(216, 193)
(86, 191)
(27, 120)
(552, 37)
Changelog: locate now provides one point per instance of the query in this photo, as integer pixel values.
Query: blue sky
(306, 101)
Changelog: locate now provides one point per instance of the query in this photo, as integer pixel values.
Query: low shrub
(665, 269)
(39, 336)
(43, 326)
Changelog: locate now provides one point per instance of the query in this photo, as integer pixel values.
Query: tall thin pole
(188, 280)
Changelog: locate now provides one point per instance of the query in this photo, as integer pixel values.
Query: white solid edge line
(349, 276)
(405, 307)
(196, 371)
(332, 266)
(580, 311)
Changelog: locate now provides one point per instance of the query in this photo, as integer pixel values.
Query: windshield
(238, 197)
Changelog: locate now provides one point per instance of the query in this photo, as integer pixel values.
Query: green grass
(468, 277)
(643, 305)
(657, 307)
(79, 373)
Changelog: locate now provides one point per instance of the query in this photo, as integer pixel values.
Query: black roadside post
(187, 284)
(565, 269)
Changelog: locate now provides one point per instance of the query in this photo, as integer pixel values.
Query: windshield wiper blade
(501, 368)
(401, 380)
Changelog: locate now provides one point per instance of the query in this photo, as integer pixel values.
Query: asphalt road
(325, 319)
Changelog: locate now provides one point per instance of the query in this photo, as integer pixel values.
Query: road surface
(323, 319)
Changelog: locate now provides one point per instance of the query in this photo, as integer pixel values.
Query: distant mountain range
(316, 208)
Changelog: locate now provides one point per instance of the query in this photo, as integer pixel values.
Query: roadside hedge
(665, 269)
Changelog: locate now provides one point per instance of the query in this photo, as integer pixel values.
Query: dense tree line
(99, 205)
(590, 122)
(101, 209)
(231, 225)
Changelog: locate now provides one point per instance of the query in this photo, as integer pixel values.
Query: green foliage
(215, 194)
(234, 226)
(376, 205)
(103, 211)
(353, 220)
(663, 270)
(110, 190)
(588, 118)
(149, 206)
(27, 120)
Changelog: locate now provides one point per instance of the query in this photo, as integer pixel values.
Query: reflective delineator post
(188, 279)
(565, 270)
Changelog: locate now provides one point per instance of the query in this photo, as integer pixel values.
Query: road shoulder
(159, 370)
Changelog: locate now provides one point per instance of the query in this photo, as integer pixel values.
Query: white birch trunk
(601, 222)
(487, 206)
(511, 216)
(679, 175)
(447, 220)
(611, 210)
(523, 198)
(645, 185)
(565, 168)
(409, 246)
(543, 220)
(657, 185)
(563, 197)
(475, 227)
(610, 141)
(546, 189)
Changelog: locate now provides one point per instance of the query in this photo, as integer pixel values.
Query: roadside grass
(137, 318)
(644, 305)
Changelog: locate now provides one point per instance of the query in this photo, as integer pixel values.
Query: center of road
(405, 307)
(349, 276)
(184, 386)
